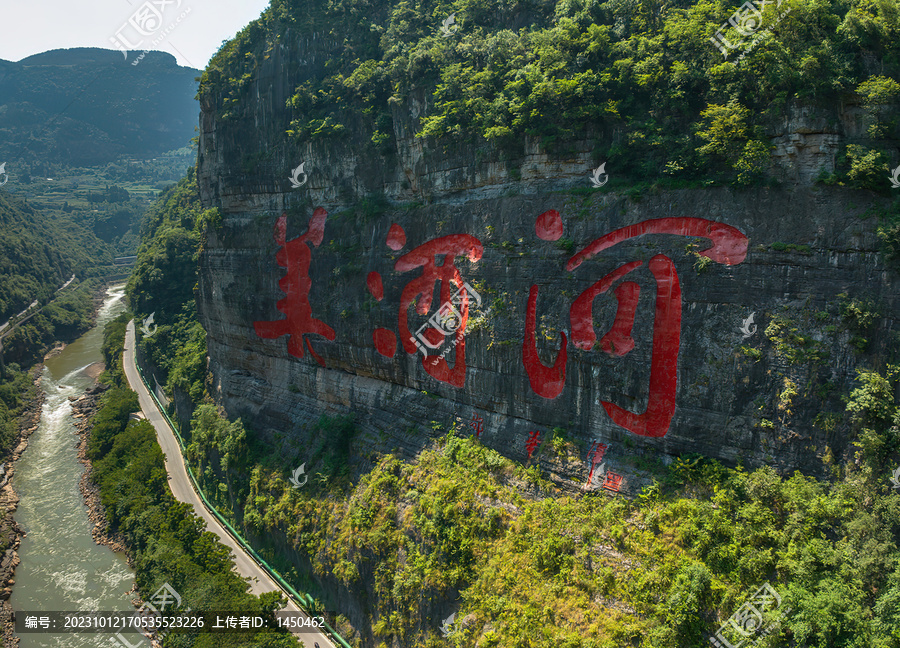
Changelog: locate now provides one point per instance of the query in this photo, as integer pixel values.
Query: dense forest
(40, 250)
(638, 77)
(37, 256)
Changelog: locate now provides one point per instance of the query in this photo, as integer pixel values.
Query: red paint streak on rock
(534, 440)
(655, 420)
(581, 311)
(549, 226)
(385, 342)
(373, 282)
(618, 341)
(729, 245)
(547, 382)
(396, 237)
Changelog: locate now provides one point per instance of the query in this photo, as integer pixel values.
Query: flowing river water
(62, 569)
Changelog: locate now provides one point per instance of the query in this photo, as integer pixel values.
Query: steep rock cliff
(766, 391)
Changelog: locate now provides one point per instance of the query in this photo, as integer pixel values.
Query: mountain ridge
(88, 106)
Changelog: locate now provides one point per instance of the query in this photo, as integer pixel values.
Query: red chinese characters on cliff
(729, 247)
(595, 457)
(477, 425)
(436, 262)
(419, 292)
(294, 256)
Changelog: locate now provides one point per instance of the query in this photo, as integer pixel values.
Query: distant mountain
(89, 106)
(39, 251)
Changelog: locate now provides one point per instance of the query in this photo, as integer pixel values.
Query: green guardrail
(304, 601)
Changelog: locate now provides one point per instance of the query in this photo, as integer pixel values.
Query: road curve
(183, 490)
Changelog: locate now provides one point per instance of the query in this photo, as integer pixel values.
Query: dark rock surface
(723, 393)
(772, 398)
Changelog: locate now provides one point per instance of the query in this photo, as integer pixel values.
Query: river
(62, 568)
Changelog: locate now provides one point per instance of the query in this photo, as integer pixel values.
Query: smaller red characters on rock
(595, 456)
(477, 425)
(613, 481)
(534, 440)
(597, 452)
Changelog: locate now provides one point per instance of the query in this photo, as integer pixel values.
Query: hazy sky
(33, 26)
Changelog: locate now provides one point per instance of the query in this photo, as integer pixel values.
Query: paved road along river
(183, 491)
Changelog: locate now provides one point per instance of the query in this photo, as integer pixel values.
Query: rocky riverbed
(83, 410)
(11, 533)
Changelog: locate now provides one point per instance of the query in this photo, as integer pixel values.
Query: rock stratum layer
(664, 360)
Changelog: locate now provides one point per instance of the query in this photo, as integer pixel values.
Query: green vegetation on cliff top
(641, 79)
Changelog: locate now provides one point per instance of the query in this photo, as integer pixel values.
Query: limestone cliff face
(761, 392)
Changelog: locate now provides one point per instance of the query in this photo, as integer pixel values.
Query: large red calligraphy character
(295, 256)
(420, 291)
(618, 341)
(729, 247)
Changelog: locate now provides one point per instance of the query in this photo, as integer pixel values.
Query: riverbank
(11, 533)
(83, 410)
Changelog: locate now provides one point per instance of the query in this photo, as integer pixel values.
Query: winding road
(183, 490)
